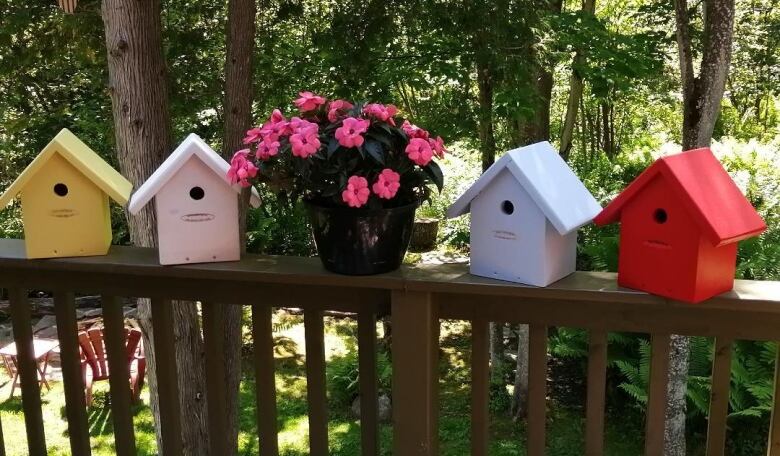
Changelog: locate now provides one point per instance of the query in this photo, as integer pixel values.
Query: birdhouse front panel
(197, 216)
(507, 233)
(64, 213)
(659, 243)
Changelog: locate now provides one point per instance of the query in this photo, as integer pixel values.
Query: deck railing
(416, 297)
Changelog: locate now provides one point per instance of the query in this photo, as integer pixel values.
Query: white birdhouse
(197, 207)
(525, 212)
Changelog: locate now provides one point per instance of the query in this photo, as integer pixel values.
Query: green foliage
(343, 377)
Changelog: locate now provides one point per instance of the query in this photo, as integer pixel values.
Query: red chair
(93, 355)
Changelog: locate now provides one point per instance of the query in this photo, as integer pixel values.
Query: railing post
(28, 372)
(773, 446)
(213, 343)
(316, 392)
(75, 410)
(263, 338)
(719, 397)
(415, 342)
(657, 392)
(597, 379)
(369, 435)
(164, 342)
(115, 339)
(480, 387)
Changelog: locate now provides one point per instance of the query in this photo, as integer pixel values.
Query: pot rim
(362, 212)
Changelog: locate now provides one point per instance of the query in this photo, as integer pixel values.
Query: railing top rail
(137, 264)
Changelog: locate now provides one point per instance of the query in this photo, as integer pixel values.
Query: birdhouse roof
(552, 185)
(707, 191)
(192, 146)
(84, 159)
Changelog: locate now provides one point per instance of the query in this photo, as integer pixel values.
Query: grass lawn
(565, 424)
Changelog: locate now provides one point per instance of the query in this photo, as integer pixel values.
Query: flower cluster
(342, 153)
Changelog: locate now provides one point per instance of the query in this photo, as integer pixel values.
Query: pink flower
(241, 168)
(267, 148)
(350, 132)
(276, 116)
(419, 151)
(387, 184)
(381, 112)
(253, 135)
(298, 125)
(438, 146)
(413, 131)
(356, 194)
(305, 142)
(309, 101)
(337, 108)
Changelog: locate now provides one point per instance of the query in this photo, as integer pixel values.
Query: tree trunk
(702, 96)
(575, 92)
(496, 351)
(520, 397)
(487, 139)
(238, 119)
(137, 85)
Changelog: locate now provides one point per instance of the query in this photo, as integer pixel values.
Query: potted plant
(361, 170)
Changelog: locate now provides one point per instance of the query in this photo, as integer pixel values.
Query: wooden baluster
(115, 338)
(656, 400)
(537, 389)
(315, 381)
(70, 359)
(262, 335)
(214, 343)
(773, 446)
(28, 372)
(415, 320)
(597, 378)
(2, 441)
(369, 392)
(480, 386)
(719, 397)
(167, 381)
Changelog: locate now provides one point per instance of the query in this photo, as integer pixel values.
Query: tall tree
(702, 93)
(702, 96)
(575, 90)
(139, 96)
(238, 119)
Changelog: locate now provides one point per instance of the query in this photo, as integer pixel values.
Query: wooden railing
(416, 297)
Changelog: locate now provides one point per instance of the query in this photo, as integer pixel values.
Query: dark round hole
(660, 216)
(507, 207)
(197, 193)
(61, 189)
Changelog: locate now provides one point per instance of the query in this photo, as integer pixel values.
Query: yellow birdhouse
(64, 195)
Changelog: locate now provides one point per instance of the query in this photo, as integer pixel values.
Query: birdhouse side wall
(560, 254)
(64, 213)
(659, 243)
(716, 269)
(507, 244)
(193, 230)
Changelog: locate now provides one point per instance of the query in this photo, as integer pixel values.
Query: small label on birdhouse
(507, 235)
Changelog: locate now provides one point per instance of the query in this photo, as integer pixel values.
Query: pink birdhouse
(197, 208)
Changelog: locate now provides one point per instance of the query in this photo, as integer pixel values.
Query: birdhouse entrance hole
(660, 216)
(507, 207)
(61, 189)
(197, 193)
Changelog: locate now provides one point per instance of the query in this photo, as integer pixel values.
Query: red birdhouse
(681, 221)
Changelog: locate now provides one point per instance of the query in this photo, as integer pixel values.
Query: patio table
(42, 348)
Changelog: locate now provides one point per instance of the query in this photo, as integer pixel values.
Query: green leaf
(434, 172)
(333, 145)
(374, 149)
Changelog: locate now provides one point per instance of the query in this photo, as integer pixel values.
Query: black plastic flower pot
(361, 241)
